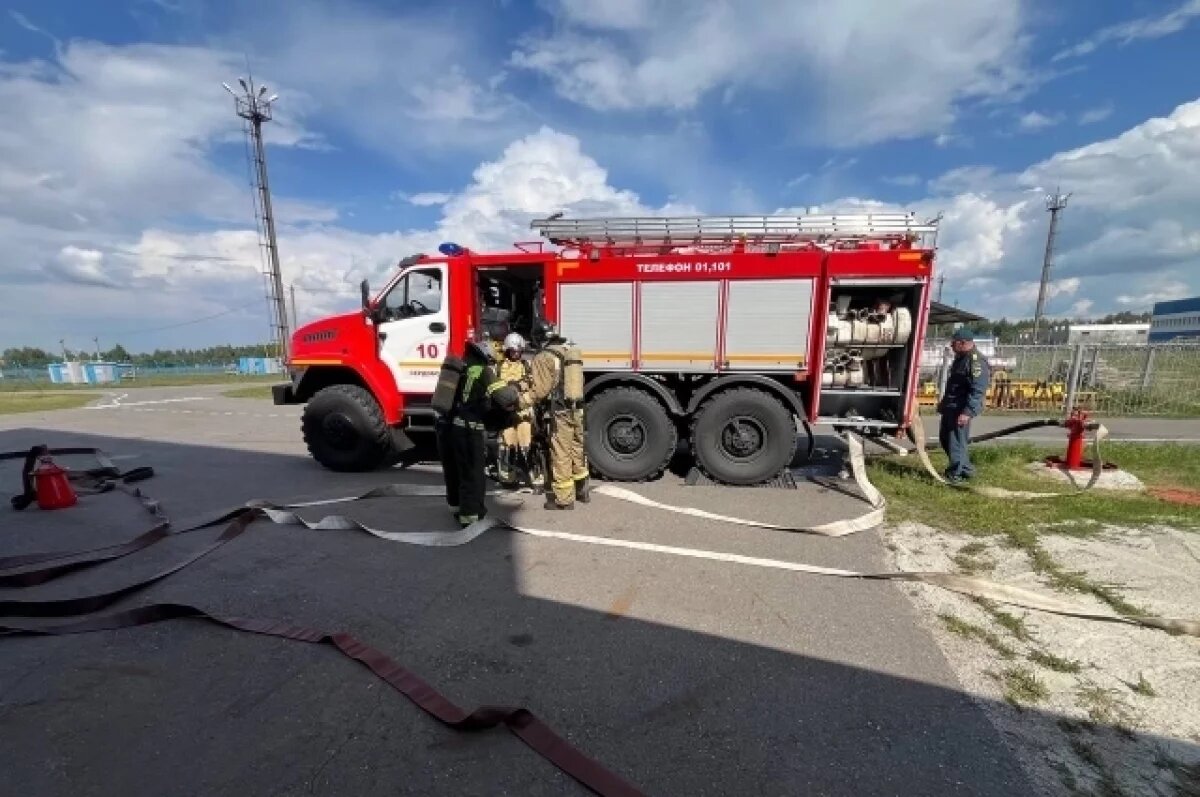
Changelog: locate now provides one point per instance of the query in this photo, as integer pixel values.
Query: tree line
(33, 357)
(1003, 330)
(1021, 331)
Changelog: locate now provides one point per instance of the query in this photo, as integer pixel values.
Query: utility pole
(96, 340)
(254, 106)
(941, 284)
(295, 323)
(1055, 204)
(63, 343)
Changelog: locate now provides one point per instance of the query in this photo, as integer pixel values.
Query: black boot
(583, 490)
(504, 465)
(553, 505)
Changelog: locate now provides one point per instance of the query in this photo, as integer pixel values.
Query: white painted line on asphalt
(691, 553)
(117, 405)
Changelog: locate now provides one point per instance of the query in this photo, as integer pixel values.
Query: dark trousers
(463, 451)
(954, 442)
(445, 449)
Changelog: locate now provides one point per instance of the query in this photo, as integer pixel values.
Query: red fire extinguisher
(53, 489)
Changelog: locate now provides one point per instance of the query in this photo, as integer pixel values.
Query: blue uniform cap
(963, 334)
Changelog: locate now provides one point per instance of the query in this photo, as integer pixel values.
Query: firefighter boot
(583, 490)
(504, 465)
(552, 505)
(524, 467)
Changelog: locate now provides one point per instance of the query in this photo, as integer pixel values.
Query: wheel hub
(625, 435)
(742, 437)
(339, 431)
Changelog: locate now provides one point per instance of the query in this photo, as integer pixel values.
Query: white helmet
(514, 341)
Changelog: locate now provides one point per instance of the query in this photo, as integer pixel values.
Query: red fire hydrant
(1076, 425)
(53, 489)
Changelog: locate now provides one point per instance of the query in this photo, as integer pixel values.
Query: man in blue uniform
(962, 400)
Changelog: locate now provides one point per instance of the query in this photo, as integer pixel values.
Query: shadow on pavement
(188, 708)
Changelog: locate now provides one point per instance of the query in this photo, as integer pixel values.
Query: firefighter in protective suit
(516, 438)
(462, 432)
(555, 388)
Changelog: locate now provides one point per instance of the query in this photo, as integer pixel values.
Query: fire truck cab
(730, 333)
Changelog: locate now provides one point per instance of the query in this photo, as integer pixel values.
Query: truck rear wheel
(630, 437)
(743, 437)
(344, 429)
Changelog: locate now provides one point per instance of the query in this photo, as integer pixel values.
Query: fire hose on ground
(36, 568)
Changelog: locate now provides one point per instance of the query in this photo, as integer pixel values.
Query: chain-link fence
(14, 377)
(1158, 380)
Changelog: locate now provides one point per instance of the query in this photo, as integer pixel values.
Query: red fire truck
(730, 333)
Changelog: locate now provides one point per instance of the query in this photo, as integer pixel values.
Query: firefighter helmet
(544, 331)
(514, 341)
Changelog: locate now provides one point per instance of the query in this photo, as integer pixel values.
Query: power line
(183, 323)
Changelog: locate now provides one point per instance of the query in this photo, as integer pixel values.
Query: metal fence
(13, 377)
(1157, 380)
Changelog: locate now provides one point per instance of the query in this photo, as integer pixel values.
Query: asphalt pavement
(687, 676)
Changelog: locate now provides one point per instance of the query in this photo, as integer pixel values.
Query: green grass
(967, 630)
(914, 496)
(1023, 687)
(1020, 524)
(249, 392)
(1143, 687)
(1104, 707)
(1055, 663)
(11, 403)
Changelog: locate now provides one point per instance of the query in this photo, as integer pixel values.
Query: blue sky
(122, 173)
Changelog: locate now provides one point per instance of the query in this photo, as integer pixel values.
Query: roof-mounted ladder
(715, 230)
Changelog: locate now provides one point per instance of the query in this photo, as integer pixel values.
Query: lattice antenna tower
(1055, 203)
(253, 105)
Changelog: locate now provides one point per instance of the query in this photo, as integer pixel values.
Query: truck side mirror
(364, 288)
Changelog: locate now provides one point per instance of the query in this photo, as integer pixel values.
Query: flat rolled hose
(1020, 427)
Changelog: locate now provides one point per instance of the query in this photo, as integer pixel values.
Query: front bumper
(284, 394)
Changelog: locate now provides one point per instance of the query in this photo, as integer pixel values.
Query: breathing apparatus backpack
(449, 379)
(569, 391)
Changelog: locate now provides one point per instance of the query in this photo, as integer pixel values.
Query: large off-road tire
(630, 437)
(344, 429)
(743, 437)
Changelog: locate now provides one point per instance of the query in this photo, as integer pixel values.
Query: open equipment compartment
(869, 353)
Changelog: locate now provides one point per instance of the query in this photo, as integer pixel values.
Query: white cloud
(427, 198)
(1081, 308)
(81, 266)
(1035, 120)
(1162, 292)
(407, 83)
(1131, 216)
(536, 175)
(1097, 114)
(1130, 222)
(111, 133)
(833, 59)
(1149, 27)
(1027, 292)
(608, 14)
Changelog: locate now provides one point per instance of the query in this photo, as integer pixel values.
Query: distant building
(1176, 320)
(1107, 334)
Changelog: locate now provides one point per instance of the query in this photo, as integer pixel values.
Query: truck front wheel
(344, 429)
(630, 437)
(743, 437)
